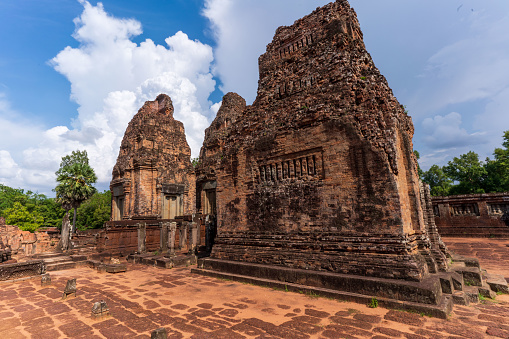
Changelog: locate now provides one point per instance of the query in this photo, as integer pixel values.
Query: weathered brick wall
(473, 215)
(319, 172)
(154, 159)
(27, 243)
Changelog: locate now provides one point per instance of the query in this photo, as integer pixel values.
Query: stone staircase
(467, 283)
(60, 261)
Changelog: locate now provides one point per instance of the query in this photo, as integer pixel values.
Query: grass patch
(373, 303)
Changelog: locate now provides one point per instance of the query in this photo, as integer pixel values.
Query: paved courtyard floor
(192, 306)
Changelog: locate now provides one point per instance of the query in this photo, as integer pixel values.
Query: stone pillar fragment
(183, 235)
(194, 237)
(70, 288)
(171, 237)
(164, 236)
(142, 237)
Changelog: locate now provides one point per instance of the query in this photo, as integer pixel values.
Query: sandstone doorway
(172, 206)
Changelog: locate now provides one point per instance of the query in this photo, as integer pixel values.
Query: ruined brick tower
(318, 174)
(153, 177)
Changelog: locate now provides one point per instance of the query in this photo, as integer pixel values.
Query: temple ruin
(314, 185)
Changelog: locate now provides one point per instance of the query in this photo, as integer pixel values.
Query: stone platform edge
(441, 309)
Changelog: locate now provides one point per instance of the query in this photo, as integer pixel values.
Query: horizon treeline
(30, 211)
(467, 174)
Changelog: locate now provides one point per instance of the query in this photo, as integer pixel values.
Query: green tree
(501, 164)
(75, 178)
(438, 181)
(469, 172)
(19, 215)
(94, 212)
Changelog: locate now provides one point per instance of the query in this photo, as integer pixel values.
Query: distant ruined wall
(472, 215)
(27, 243)
(318, 173)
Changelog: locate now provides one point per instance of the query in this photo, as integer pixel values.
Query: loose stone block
(45, 279)
(70, 288)
(160, 333)
(100, 309)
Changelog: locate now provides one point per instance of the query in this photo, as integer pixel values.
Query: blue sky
(73, 73)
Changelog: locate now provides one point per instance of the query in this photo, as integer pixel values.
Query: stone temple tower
(316, 182)
(153, 177)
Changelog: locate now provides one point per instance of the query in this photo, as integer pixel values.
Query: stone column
(194, 237)
(171, 238)
(164, 236)
(183, 235)
(142, 235)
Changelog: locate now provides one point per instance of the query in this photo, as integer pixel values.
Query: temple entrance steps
(60, 261)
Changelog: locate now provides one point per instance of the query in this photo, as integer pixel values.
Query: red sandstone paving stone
(351, 322)
(302, 326)
(11, 334)
(117, 331)
(165, 302)
(307, 319)
(456, 330)
(105, 323)
(7, 324)
(57, 308)
(388, 331)
(190, 317)
(297, 310)
(284, 307)
(46, 334)
(414, 336)
(208, 325)
(272, 329)
(221, 321)
(497, 332)
(336, 335)
(141, 325)
(76, 328)
(185, 327)
(39, 324)
(205, 306)
(494, 318)
(32, 314)
(405, 318)
(179, 307)
(150, 304)
(5, 315)
(247, 329)
(372, 319)
(348, 330)
(219, 334)
(236, 305)
(269, 310)
(202, 313)
(161, 319)
(315, 313)
(229, 312)
(289, 315)
(191, 310)
(167, 311)
(231, 320)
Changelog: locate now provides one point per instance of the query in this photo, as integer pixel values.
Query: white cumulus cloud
(111, 77)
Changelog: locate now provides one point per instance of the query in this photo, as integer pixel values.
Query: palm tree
(75, 178)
